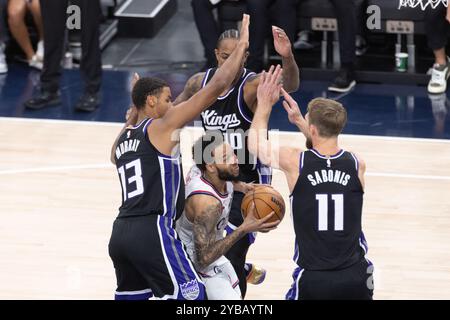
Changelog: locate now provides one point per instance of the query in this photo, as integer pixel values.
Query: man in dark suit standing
(54, 16)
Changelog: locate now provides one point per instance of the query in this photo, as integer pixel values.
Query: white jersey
(196, 184)
(220, 279)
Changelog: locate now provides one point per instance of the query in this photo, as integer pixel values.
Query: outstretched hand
(134, 80)
(269, 87)
(281, 42)
(245, 33)
(292, 109)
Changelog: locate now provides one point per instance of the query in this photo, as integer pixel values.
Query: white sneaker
(40, 50)
(3, 65)
(35, 62)
(439, 76)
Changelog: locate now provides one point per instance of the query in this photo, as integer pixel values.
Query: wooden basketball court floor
(59, 197)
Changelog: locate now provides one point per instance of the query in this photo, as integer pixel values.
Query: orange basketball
(266, 200)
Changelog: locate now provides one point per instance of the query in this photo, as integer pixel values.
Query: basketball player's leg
(167, 266)
(130, 284)
(238, 252)
(222, 283)
(353, 283)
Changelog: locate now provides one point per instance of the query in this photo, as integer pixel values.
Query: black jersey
(152, 183)
(326, 206)
(231, 115)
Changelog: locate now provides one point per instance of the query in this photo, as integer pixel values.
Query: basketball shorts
(221, 281)
(236, 218)
(352, 283)
(150, 261)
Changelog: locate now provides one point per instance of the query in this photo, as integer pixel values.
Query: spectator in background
(17, 10)
(436, 25)
(260, 11)
(3, 65)
(54, 19)
(208, 28)
(282, 12)
(346, 13)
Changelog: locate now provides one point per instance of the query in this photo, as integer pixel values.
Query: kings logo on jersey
(213, 121)
(190, 290)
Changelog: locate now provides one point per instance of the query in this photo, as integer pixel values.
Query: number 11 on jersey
(338, 211)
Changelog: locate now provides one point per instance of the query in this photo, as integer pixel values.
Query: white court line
(108, 165)
(406, 176)
(52, 169)
(119, 124)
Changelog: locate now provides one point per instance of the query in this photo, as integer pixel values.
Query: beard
(309, 144)
(227, 176)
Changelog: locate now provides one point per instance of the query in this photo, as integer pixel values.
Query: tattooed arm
(192, 86)
(205, 211)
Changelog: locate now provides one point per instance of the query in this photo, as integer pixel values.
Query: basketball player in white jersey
(232, 114)
(201, 227)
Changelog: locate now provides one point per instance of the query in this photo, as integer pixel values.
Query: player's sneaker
(344, 82)
(254, 274)
(439, 76)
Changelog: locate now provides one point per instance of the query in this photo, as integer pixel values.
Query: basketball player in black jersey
(327, 187)
(148, 256)
(232, 114)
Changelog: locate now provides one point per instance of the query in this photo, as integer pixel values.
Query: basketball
(266, 200)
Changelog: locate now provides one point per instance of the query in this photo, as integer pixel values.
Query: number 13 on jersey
(136, 178)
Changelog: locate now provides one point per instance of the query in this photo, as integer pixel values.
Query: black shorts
(236, 218)
(150, 260)
(352, 283)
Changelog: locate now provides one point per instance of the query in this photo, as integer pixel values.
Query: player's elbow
(292, 86)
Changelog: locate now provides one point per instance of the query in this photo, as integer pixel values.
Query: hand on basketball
(252, 224)
(244, 33)
(243, 187)
(281, 42)
(269, 87)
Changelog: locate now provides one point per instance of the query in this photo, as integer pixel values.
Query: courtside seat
(404, 21)
(308, 9)
(390, 12)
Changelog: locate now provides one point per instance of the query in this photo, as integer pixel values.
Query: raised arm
(185, 112)
(193, 85)
(130, 119)
(291, 74)
(207, 211)
(294, 115)
(284, 158)
(267, 95)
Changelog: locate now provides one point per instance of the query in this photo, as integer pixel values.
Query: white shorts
(221, 281)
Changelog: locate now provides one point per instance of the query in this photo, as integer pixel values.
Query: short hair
(145, 87)
(328, 116)
(208, 142)
(228, 34)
